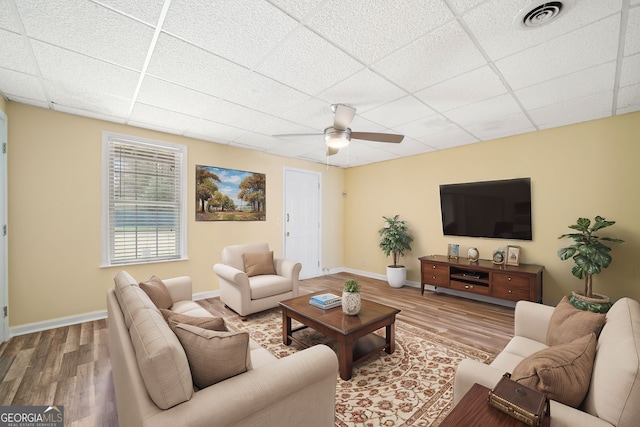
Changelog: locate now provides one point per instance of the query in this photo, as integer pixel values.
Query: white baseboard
(29, 328)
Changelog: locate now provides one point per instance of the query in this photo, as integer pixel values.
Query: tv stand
(483, 277)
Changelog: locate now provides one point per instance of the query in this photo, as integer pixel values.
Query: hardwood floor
(70, 366)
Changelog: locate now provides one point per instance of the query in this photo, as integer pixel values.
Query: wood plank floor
(70, 366)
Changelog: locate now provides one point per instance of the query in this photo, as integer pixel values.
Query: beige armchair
(252, 280)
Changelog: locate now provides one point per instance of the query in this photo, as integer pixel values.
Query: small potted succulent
(351, 301)
(395, 240)
(590, 256)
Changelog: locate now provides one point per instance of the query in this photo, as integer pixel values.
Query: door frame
(4, 213)
(284, 212)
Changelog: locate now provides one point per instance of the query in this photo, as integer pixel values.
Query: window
(143, 193)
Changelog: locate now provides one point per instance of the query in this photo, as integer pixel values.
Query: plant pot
(351, 303)
(597, 304)
(396, 276)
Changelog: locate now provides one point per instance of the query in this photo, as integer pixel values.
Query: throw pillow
(209, 323)
(214, 356)
(562, 372)
(158, 292)
(568, 323)
(258, 263)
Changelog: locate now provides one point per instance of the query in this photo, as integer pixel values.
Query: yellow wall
(54, 180)
(585, 169)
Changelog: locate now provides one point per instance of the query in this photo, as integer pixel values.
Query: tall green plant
(395, 238)
(588, 251)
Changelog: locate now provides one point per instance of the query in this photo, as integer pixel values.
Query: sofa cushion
(210, 323)
(161, 359)
(568, 323)
(615, 383)
(256, 264)
(562, 372)
(158, 292)
(132, 299)
(213, 356)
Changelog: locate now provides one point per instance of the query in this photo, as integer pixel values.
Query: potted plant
(395, 240)
(590, 256)
(351, 301)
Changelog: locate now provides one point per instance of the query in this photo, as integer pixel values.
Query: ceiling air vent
(539, 13)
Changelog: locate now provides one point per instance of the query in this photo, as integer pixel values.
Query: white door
(302, 219)
(4, 276)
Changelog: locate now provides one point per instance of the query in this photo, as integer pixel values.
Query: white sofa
(613, 398)
(153, 383)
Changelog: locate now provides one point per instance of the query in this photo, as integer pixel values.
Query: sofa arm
(293, 391)
(532, 320)
(180, 288)
(470, 372)
(231, 275)
(287, 268)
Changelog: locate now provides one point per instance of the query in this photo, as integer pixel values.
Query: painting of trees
(229, 195)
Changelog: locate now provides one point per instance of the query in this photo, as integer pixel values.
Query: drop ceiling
(444, 73)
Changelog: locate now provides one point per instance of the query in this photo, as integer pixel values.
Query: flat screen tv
(493, 209)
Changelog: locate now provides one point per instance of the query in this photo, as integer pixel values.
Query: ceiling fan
(339, 135)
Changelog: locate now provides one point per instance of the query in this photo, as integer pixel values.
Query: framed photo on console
(453, 251)
(513, 256)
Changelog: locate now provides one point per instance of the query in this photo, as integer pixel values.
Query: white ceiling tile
(629, 99)
(313, 113)
(241, 30)
(589, 46)
(237, 115)
(408, 147)
(276, 126)
(91, 100)
(86, 113)
(360, 124)
(189, 66)
(87, 28)
(388, 26)
(461, 6)
(264, 94)
(453, 137)
(14, 54)
(275, 145)
(429, 60)
(308, 63)
(213, 131)
(368, 150)
(630, 71)
(8, 20)
(487, 110)
(364, 90)
(571, 86)
(147, 11)
(297, 8)
(632, 39)
(398, 112)
(424, 127)
(28, 101)
(173, 97)
(466, 89)
(493, 24)
(499, 128)
(71, 69)
(574, 111)
(149, 116)
(22, 85)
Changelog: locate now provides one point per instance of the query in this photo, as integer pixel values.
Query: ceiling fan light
(337, 138)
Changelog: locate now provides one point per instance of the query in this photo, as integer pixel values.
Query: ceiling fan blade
(379, 137)
(331, 151)
(344, 116)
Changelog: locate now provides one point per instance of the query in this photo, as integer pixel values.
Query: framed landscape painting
(230, 195)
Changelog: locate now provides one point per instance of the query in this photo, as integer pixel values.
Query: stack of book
(325, 301)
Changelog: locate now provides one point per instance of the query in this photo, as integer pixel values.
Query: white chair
(247, 282)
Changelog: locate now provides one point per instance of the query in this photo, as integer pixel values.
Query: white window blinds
(145, 218)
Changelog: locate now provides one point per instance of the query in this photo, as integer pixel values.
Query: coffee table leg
(345, 359)
(391, 338)
(286, 328)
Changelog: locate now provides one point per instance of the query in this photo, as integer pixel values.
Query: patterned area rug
(411, 387)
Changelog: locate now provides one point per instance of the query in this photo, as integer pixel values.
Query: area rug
(411, 387)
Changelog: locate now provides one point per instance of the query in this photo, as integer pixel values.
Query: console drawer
(435, 274)
(512, 287)
(470, 287)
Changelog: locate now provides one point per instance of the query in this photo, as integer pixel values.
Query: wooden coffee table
(474, 410)
(353, 334)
